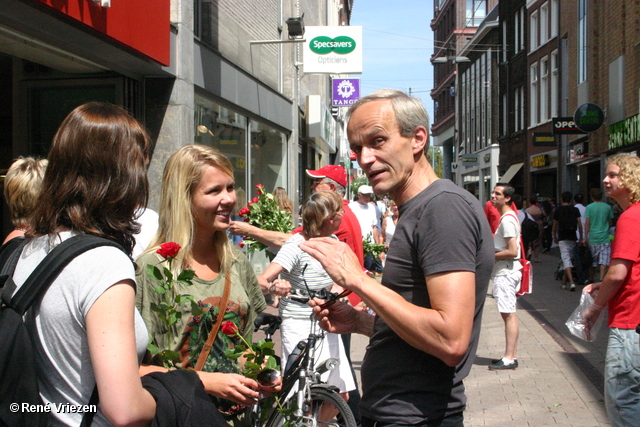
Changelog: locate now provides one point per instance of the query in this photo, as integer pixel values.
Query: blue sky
(397, 43)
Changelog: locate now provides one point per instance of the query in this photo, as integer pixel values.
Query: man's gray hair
(409, 111)
(339, 187)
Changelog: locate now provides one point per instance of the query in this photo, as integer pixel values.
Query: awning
(511, 172)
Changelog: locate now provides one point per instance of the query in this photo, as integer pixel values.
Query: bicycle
(314, 403)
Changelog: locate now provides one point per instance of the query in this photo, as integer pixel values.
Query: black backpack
(530, 229)
(19, 383)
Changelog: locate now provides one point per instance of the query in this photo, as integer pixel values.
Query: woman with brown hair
(538, 216)
(86, 327)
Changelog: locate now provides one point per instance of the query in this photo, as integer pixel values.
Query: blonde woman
(198, 197)
(321, 217)
(21, 191)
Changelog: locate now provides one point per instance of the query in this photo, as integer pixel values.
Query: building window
(516, 32)
(533, 31)
(544, 23)
(504, 43)
(517, 123)
(505, 116)
(554, 19)
(544, 89)
(555, 78)
(523, 15)
(476, 12)
(582, 41)
(533, 95)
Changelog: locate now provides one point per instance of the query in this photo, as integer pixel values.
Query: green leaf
(154, 272)
(196, 310)
(229, 315)
(186, 275)
(153, 349)
(252, 366)
(168, 274)
(160, 290)
(272, 363)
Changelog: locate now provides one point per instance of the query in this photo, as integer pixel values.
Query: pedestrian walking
(566, 221)
(620, 292)
(599, 217)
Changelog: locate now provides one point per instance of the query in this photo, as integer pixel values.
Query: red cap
(336, 173)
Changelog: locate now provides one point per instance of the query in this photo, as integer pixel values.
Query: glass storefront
(259, 158)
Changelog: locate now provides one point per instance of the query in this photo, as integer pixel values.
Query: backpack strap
(50, 267)
(9, 255)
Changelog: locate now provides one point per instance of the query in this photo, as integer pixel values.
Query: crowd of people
(99, 316)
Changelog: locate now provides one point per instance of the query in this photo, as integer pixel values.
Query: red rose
(246, 220)
(168, 250)
(249, 204)
(241, 244)
(259, 186)
(244, 211)
(229, 328)
(255, 200)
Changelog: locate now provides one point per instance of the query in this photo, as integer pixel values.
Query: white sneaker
(572, 287)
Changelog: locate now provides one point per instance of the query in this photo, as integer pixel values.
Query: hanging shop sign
(588, 117)
(565, 126)
(578, 151)
(469, 159)
(544, 139)
(333, 50)
(624, 133)
(542, 161)
(345, 92)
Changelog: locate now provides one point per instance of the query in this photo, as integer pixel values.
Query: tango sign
(333, 50)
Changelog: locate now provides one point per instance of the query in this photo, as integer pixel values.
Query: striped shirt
(293, 260)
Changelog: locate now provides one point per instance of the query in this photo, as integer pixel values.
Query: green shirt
(599, 214)
(190, 333)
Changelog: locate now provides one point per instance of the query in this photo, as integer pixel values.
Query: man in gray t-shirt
(429, 304)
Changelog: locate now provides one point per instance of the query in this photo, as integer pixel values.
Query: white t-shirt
(294, 260)
(366, 215)
(148, 220)
(583, 219)
(509, 227)
(58, 325)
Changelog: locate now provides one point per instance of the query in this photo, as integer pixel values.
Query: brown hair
(282, 199)
(97, 174)
(320, 206)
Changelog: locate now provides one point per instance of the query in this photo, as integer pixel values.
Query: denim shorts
(622, 377)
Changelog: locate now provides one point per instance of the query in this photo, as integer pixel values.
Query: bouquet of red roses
(263, 212)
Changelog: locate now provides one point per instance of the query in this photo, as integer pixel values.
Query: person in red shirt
(493, 216)
(620, 291)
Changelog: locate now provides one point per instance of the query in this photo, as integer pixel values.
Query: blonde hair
(629, 165)
(22, 186)
(181, 176)
(282, 199)
(320, 206)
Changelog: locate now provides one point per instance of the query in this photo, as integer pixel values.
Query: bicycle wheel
(326, 409)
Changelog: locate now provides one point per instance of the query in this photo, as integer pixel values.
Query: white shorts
(293, 330)
(505, 287)
(566, 252)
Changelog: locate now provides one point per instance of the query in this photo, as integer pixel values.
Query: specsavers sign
(333, 50)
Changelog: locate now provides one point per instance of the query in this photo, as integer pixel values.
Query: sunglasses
(332, 297)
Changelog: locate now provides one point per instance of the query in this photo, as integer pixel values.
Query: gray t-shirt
(58, 326)
(441, 229)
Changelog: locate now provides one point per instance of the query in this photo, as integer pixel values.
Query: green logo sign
(341, 45)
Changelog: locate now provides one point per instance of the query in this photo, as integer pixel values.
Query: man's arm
(444, 330)
(273, 239)
(554, 231)
(512, 249)
(587, 225)
(614, 278)
(580, 229)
